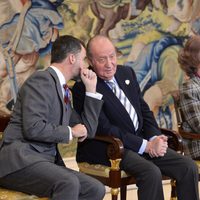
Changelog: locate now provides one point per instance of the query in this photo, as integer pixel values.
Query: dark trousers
(45, 179)
(148, 172)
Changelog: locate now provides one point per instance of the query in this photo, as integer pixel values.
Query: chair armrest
(4, 120)
(115, 147)
(189, 135)
(175, 141)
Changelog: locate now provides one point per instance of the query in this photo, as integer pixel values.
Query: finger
(154, 153)
(91, 74)
(151, 154)
(164, 137)
(165, 145)
(163, 152)
(81, 139)
(84, 72)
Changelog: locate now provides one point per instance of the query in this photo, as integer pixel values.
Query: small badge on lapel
(127, 82)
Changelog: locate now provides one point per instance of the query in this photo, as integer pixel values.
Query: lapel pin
(127, 82)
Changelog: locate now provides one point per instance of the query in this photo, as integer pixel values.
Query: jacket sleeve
(88, 114)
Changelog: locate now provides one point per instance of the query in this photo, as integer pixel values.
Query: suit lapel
(103, 88)
(126, 84)
(59, 91)
(109, 96)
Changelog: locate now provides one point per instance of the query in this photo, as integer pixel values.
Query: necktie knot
(65, 86)
(112, 85)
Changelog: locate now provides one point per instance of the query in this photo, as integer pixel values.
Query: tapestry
(148, 35)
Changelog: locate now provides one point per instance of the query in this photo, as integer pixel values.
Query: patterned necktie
(67, 95)
(125, 102)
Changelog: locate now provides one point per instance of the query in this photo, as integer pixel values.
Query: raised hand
(89, 79)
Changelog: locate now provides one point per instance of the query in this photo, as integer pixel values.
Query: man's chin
(107, 77)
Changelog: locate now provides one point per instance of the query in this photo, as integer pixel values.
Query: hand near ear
(89, 79)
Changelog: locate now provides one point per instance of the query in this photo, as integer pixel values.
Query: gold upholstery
(13, 195)
(6, 194)
(198, 165)
(97, 169)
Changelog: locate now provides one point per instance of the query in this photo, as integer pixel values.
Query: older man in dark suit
(29, 158)
(126, 115)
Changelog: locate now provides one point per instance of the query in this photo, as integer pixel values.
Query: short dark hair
(64, 45)
(189, 56)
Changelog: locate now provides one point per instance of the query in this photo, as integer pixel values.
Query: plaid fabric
(190, 105)
(191, 148)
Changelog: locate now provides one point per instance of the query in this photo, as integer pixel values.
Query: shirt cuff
(94, 95)
(70, 133)
(143, 147)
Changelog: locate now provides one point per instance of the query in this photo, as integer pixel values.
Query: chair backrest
(177, 107)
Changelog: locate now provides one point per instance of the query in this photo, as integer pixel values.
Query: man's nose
(108, 62)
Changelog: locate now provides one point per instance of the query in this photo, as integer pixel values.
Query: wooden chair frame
(115, 152)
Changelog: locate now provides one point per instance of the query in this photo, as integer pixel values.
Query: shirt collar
(111, 80)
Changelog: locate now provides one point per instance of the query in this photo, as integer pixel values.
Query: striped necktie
(67, 95)
(125, 102)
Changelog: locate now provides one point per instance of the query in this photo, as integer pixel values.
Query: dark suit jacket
(114, 119)
(39, 121)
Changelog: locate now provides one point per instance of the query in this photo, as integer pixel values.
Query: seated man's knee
(71, 183)
(100, 190)
(96, 189)
(153, 172)
(191, 165)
